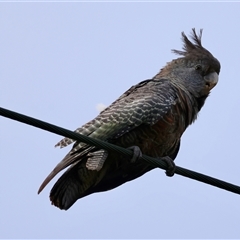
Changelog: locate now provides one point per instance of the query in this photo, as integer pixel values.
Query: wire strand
(111, 147)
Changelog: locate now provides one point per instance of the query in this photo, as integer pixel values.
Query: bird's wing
(144, 103)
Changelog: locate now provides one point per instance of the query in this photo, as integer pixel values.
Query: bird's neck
(188, 104)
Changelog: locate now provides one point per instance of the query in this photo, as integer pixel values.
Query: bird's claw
(170, 166)
(137, 153)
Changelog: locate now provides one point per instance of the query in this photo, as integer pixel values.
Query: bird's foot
(170, 166)
(137, 153)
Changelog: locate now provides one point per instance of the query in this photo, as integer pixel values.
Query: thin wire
(111, 147)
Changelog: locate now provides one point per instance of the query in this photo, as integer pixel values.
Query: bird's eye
(198, 67)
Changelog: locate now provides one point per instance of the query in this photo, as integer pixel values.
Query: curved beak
(211, 80)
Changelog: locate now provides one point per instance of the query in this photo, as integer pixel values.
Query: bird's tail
(79, 181)
(72, 185)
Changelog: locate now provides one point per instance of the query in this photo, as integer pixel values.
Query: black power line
(111, 147)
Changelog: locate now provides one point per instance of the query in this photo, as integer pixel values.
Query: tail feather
(72, 185)
(69, 159)
(65, 192)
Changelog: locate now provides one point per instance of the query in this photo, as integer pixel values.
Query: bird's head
(196, 70)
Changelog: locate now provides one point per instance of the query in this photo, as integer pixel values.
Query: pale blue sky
(58, 61)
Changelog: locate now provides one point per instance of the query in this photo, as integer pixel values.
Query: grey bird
(150, 116)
